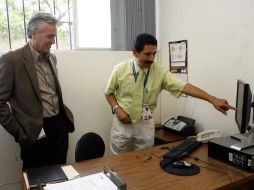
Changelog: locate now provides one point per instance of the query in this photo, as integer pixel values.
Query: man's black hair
(144, 39)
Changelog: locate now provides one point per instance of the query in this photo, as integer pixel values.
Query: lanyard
(136, 76)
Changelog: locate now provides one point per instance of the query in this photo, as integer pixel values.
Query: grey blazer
(21, 110)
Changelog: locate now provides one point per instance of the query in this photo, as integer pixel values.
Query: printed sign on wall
(178, 57)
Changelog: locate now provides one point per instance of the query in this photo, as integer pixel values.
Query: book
(43, 175)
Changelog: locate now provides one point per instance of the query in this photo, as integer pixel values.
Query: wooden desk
(162, 136)
(144, 175)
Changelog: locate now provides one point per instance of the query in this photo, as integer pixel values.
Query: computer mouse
(181, 164)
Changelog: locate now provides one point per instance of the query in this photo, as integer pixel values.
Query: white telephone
(209, 134)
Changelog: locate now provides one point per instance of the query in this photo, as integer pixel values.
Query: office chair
(89, 146)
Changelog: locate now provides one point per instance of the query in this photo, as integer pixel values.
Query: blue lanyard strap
(136, 76)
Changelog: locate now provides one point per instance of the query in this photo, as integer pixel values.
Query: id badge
(146, 113)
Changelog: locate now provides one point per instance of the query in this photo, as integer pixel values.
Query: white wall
(220, 43)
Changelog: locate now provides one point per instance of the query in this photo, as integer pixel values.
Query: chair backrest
(89, 146)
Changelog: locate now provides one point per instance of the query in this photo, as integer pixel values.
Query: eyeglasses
(144, 157)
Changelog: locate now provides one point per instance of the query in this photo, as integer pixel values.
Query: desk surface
(166, 137)
(142, 174)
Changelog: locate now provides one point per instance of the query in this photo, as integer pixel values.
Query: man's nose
(151, 57)
(53, 41)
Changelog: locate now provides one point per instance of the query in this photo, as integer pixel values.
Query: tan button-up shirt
(122, 83)
(46, 83)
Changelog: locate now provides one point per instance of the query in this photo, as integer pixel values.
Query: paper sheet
(98, 181)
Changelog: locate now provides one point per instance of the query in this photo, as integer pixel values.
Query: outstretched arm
(219, 104)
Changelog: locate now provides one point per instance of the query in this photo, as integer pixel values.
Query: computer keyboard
(182, 150)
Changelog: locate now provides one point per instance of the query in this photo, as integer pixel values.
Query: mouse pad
(166, 165)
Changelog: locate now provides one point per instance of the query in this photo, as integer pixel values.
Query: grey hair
(35, 22)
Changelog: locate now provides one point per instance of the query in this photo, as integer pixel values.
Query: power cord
(229, 176)
(219, 165)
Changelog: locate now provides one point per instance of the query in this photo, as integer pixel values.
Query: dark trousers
(51, 149)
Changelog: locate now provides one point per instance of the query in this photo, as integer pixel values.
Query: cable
(184, 105)
(219, 165)
(194, 104)
(229, 176)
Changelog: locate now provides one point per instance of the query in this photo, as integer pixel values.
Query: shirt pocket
(151, 96)
(126, 87)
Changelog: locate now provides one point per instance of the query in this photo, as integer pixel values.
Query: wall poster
(178, 57)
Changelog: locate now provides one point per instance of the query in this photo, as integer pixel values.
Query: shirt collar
(36, 54)
(138, 68)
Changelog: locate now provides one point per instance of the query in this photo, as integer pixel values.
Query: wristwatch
(114, 108)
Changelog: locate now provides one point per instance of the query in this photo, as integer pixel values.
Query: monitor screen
(243, 104)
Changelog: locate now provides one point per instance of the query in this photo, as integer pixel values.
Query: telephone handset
(182, 126)
(208, 134)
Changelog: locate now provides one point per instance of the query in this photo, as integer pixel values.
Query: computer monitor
(242, 116)
(243, 104)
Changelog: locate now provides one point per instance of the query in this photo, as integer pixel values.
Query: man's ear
(33, 33)
(134, 52)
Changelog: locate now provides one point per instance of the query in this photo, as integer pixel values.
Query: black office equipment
(182, 150)
(237, 150)
(243, 104)
(43, 175)
(220, 149)
(182, 126)
(242, 116)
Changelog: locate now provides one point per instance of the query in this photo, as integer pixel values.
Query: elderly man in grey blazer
(31, 103)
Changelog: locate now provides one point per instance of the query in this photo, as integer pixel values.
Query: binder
(49, 174)
(118, 181)
(105, 180)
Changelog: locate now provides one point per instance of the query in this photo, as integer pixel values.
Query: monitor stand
(246, 140)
